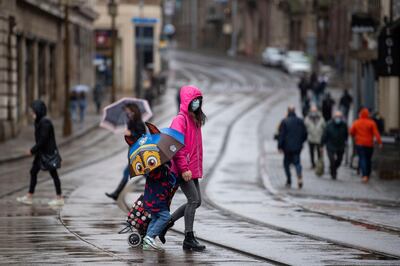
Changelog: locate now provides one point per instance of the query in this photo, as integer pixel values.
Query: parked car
(296, 62)
(272, 56)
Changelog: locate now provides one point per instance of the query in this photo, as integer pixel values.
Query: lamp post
(232, 51)
(139, 79)
(67, 124)
(113, 11)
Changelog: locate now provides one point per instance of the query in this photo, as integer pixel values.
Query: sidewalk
(17, 147)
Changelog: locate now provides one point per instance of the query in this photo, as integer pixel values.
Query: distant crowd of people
(323, 127)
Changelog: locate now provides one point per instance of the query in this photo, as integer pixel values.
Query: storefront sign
(388, 53)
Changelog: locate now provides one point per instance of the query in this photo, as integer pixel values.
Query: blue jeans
(291, 158)
(73, 106)
(365, 157)
(159, 221)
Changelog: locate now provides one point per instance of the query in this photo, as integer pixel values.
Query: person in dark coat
(335, 138)
(345, 103)
(379, 121)
(292, 135)
(303, 88)
(45, 145)
(327, 107)
(98, 96)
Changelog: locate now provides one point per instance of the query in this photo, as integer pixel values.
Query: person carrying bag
(47, 156)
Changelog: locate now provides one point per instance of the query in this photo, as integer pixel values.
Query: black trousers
(312, 148)
(34, 172)
(335, 160)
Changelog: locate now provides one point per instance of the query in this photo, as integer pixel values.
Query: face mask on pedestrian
(337, 120)
(195, 105)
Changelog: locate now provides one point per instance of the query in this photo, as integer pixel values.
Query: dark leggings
(191, 189)
(35, 170)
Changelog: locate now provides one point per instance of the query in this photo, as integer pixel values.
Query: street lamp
(113, 12)
(67, 125)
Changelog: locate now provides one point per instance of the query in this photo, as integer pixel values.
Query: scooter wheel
(134, 239)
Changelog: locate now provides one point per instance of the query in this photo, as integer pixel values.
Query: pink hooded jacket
(191, 156)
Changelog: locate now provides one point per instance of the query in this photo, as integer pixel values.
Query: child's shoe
(151, 243)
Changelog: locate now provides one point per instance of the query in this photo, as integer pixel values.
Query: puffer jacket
(364, 130)
(315, 128)
(191, 156)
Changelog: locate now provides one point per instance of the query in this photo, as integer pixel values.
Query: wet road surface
(238, 217)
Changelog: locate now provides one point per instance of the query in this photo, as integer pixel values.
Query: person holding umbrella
(135, 129)
(188, 162)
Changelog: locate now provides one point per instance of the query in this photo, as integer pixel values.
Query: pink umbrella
(114, 116)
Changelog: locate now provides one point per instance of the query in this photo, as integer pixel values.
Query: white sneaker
(151, 242)
(25, 199)
(56, 202)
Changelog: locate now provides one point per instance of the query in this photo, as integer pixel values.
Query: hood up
(39, 108)
(364, 113)
(187, 95)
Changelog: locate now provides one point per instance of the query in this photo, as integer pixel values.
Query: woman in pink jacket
(188, 162)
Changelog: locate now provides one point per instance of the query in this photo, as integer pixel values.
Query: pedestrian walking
(306, 106)
(46, 154)
(135, 129)
(345, 103)
(303, 88)
(157, 194)
(380, 122)
(292, 135)
(335, 139)
(189, 162)
(364, 130)
(82, 105)
(313, 87)
(327, 107)
(98, 96)
(320, 88)
(73, 105)
(315, 125)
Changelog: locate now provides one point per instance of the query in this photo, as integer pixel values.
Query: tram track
(235, 216)
(208, 203)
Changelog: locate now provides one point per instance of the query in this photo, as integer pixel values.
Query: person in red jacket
(363, 131)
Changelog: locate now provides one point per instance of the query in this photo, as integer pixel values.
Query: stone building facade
(130, 17)
(32, 57)
(259, 23)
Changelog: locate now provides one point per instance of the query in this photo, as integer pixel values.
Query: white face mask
(195, 104)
